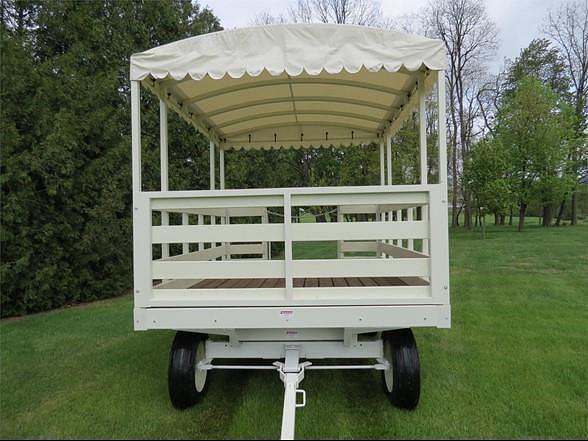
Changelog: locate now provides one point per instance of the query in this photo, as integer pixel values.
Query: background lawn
(514, 364)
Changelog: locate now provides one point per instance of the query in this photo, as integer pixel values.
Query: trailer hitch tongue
(291, 373)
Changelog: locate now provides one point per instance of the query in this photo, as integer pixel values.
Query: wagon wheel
(186, 383)
(402, 382)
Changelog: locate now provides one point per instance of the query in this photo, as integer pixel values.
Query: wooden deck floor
(310, 282)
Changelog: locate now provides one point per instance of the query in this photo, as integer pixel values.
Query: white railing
(208, 232)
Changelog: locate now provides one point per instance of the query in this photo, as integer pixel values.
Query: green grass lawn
(514, 364)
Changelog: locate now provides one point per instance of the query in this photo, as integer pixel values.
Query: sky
(518, 21)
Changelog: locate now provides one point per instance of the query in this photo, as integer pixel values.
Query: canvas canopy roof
(299, 85)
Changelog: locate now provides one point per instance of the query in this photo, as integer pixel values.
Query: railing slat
(228, 269)
(393, 198)
(218, 233)
(257, 248)
(396, 251)
(220, 201)
(361, 268)
(359, 231)
(355, 247)
(195, 256)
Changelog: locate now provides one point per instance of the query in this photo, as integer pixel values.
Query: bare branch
(568, 27)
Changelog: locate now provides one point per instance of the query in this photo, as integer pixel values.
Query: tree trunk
(547, 214)
(574, 208)
(457, 217)
(467, 213)
(502, 219)
(560, 213)
(522, 212)
(496, 217)
(510, 216)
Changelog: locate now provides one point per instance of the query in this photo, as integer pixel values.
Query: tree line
(504, 156)
(66, 157)
(516, 139)
(65, 237)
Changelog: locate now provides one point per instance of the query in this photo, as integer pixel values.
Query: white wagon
(292, 86)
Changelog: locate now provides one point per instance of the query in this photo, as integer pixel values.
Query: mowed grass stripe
(513, 365)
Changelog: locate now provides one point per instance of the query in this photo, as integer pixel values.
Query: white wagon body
(292, 86)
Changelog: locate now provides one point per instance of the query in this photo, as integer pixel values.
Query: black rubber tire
(401, 348)
(182, 368)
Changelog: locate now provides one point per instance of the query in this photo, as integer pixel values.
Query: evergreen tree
(66, 185)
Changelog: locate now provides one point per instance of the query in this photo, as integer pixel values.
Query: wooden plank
(380, 281)
(390, 281)
(267, 283)
(255, 283)
(233, 283)
(353, 281)
(325, 282)
(414, 281)
(202, 284)
(215, 283)
(298, 282)
(368, 281)
(311, 283)
(339, 281)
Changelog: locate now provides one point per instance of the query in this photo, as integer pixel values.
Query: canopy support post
(440, 265)
(423, 152)
(423, 131)
(340, 254)
(136, 135)
(164, 166)
(221, 153)
(389, 158)
(224, 219)
(382, 215)
(389, 169)
(141, 213)
(382, 165)
(212, 166)
(442, 130)
(288, 246)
